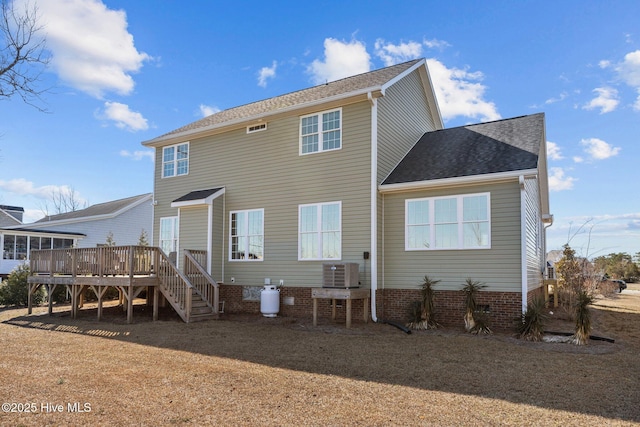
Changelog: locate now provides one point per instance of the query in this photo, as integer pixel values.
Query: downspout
(523, 242)
(374, 204)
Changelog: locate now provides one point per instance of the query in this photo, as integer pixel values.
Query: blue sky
(122, 72)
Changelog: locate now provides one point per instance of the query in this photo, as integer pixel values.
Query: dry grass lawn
(250, 370)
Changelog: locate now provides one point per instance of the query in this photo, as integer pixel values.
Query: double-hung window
(246, 240)
(320, 231)
(169, 234)
(321, 132)
(175, 160)
(453, 222)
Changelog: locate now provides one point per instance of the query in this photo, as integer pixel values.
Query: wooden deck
(131, 270)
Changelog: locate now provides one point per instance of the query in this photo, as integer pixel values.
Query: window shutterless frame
(321, 132)
(175, 160)
(320, 231)
(448, 223)
(246, 235)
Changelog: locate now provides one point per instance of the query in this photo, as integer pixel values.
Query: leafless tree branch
(23, 55)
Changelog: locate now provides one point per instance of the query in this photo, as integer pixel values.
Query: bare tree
(23, 55)
(63, 200)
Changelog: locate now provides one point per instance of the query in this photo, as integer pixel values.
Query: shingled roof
(100, 209)
(343, 87)
(486, 148)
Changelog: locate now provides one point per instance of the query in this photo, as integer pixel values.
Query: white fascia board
(199, 132)
(457, 181)
(199, 202)
(39, 225)
(42, 233)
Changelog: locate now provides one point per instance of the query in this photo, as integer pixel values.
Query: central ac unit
(340, 275)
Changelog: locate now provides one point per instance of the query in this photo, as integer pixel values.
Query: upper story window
(247, 235)
(321, 132)
(457, 222)
(175, 160)
(320, 231)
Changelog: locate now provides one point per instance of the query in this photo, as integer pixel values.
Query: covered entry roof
(198, 197)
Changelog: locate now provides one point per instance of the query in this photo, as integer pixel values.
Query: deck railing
(100, 261)
(177, 286)
(202, 281)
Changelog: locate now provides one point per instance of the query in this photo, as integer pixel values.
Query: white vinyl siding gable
(452, 222)
(321, 132)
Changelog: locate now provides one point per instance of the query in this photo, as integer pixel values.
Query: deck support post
(50, 289)
(155, 303)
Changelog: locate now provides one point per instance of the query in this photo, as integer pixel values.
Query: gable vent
(256, 128)
(340, 275)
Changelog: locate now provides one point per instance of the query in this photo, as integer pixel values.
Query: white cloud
(599, 149)
(606, 101)
(207, 110)
(123, 117)
(341, 59)
(561, 97)
(460, 93)
(553, 151)
(91, 48)
(578, 159)
(22, 187)
(558, 181)
(392, 54)
(435, 44)
(604, 63)
(629, 72)
(266, 73)
(138, 154)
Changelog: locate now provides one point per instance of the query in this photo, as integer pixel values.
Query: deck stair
(192, 292)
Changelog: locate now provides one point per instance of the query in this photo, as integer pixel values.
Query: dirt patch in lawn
(251, 370)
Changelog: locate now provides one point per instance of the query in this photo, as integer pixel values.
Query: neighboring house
(358, 170)
(124, 220)
(16, 242)
(10, 215)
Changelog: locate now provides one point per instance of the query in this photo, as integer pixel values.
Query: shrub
(15, 289)
(583, 318)
(471, 289)
(531, 324)
(422, 312)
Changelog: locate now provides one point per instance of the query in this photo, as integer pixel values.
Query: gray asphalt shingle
(484, 148)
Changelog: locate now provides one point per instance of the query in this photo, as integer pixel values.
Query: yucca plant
(471, 289)
(583, 318)
(425, 319)
(531, 324)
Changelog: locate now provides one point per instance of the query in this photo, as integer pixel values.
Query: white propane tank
(269, 301)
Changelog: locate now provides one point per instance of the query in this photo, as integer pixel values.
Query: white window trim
(459, 212)
(320, 131)
(175, 160)
(319, 232)
(231, 259)
(176, 233)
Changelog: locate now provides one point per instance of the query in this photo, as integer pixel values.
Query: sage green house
(272, 190)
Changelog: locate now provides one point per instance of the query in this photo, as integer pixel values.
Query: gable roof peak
(337, 89)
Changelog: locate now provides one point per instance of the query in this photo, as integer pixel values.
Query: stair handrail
(208, 288)
(176, 285)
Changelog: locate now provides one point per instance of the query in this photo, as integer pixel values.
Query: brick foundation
(392, 304)
(505, 307)
(302, 304)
